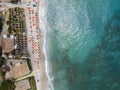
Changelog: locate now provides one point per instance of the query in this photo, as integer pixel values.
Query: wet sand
(44, 79)
(44, 84)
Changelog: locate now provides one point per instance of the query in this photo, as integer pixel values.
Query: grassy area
(15, 1)
(31, 79)
(32, 83)
(23, 26)
(29, 64)
(7, 85)
(2, 62)
(1, 59)
(0, 51)
(1, 24)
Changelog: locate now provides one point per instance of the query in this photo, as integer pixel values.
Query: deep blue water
(83, 44)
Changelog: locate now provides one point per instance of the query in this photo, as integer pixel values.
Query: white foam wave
(42, 27)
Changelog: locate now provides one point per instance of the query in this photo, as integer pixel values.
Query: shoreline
(38, 61)
(42, 23)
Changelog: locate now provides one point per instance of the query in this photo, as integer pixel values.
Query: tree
(7, 85)
(14, 1)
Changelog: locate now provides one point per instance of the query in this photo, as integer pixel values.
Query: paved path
(27, 76)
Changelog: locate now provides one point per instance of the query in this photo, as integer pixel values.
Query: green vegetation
(29, 64)
(1, 24)
(2, 74)
(10, 29)
(1, 63)
(14, 1)
(16, 21)
(0, 51)
(7, 85)
(23, 26)
(1, 59)
(32, 83)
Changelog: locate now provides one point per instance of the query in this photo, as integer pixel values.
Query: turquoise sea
(83, 44)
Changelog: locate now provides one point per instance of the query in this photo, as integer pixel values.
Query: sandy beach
(35, 44)
(44, 78)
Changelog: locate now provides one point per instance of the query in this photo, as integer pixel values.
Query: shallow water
(83, 44)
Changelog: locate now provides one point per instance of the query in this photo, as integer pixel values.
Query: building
(14, 46)
(21, 41)
(19, 70)
(22, 85)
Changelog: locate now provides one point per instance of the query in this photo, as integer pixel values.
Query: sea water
(83, 44)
